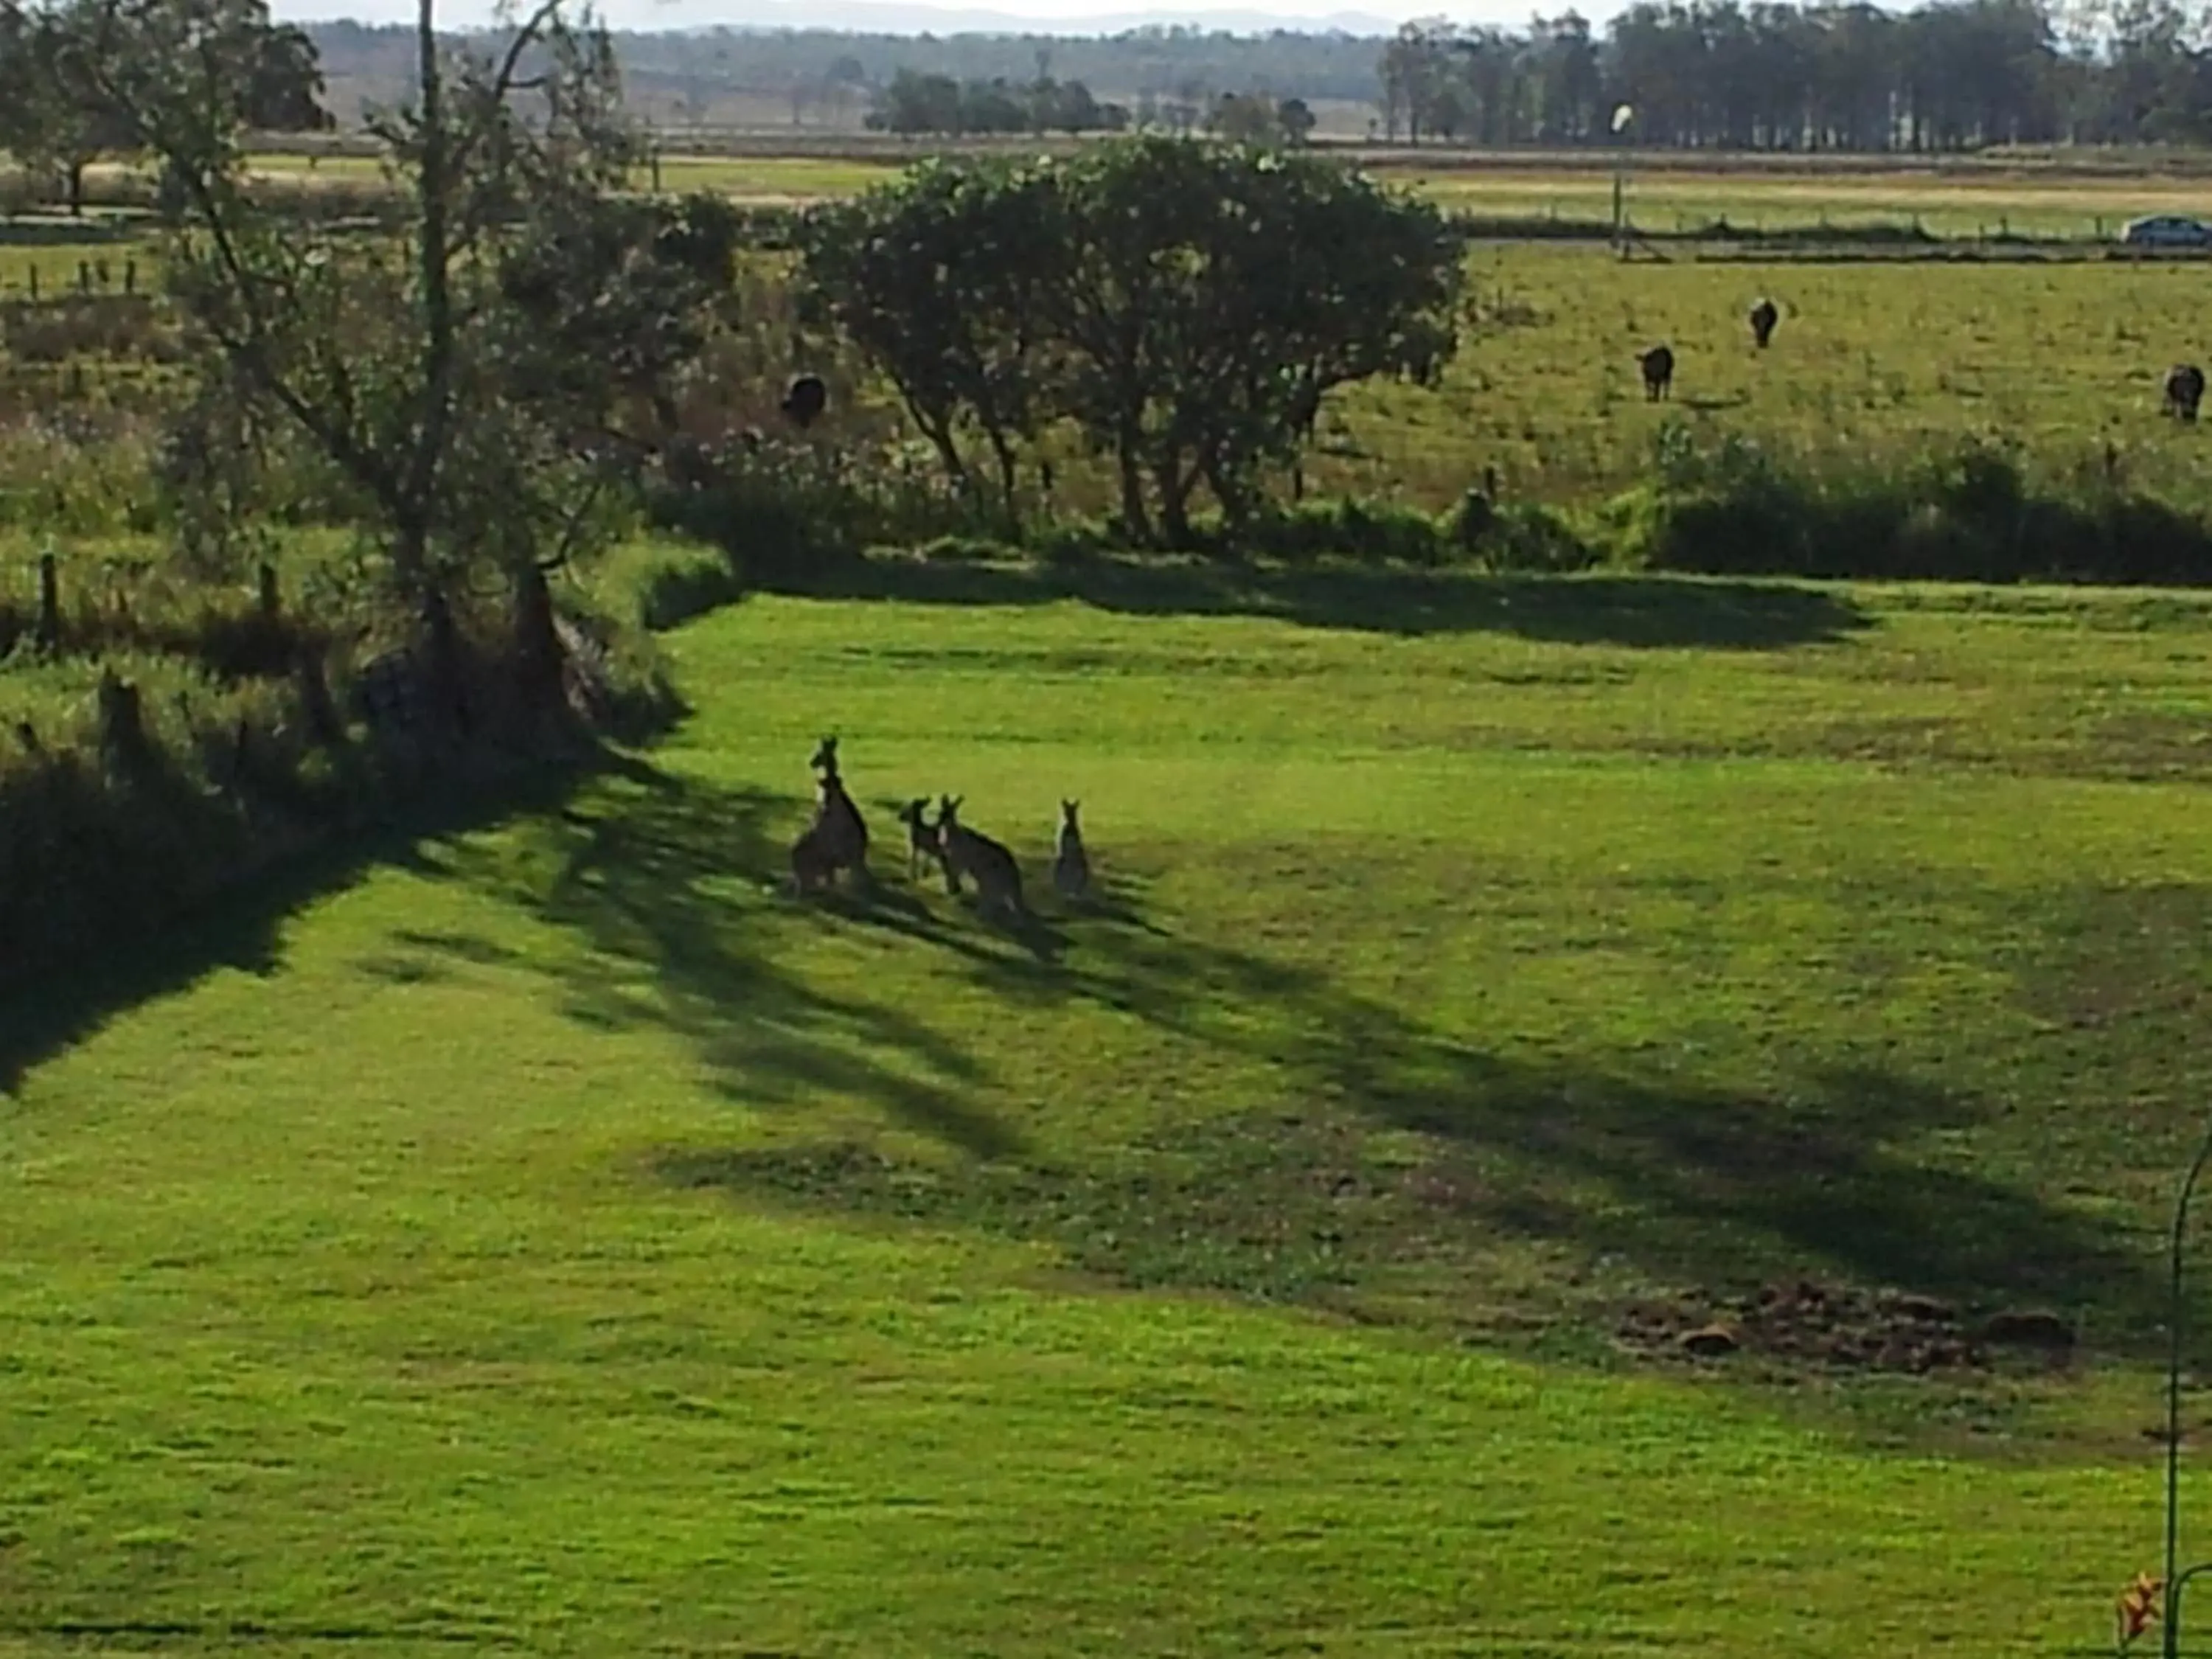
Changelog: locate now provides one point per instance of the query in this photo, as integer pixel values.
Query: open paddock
(551, 1236)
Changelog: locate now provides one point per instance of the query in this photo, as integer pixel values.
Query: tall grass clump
(170, 743)
(1975, 510)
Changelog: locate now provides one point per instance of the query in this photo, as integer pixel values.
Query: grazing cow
(2185, 390)
(1658, 366)
(844, 832)
(1764, 317)
(805, 401)
(1071, 864)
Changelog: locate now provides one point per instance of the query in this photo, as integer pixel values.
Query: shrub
(104, 841)
(1534, 538)
(1971, 513)
(1347, 528)
(786, 512)
(657, 585)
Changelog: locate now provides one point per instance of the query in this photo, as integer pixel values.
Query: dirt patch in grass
(1833, 1327)
(1321, 1211)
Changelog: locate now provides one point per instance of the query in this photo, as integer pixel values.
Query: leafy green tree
(943, 278)
(915, 103)
(1245, 118)
(1186, 306)
(52, 121)
(455, 378)
(53, 135)
(1209, 298)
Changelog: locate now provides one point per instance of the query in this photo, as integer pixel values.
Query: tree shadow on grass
(1690, 1187)
(1649, 611)
(1375, 1164)
(241, 928)
(673, 886)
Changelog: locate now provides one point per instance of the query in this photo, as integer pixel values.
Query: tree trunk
(49, 635)
(123, 744)
(1175, 487)
(1136, 522)
(939, 434)
(419, 477)
(538, 654)
(1230, 491)
(448, 673)
(317, 706)
(1009, 479)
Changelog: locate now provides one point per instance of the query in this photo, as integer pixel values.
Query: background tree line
(1710, 74)
(1715, 74)
(917, 102)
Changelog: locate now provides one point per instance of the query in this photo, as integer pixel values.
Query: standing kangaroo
(812, 864)
(809, 863)
(1071, 864)
(967, 852)
(844, 833)
(924, 841)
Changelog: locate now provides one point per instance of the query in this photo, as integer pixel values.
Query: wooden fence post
(123, 741)
(323, 724)
(50, 602)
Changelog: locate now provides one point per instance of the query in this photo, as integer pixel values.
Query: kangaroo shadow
(1648, 611)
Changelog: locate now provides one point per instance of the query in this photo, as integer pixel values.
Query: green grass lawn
(548, 1236)
(1885, 363)
(1665, 198)
(1667, 191)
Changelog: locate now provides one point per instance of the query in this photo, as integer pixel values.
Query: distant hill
(862, 16)
(818, 79)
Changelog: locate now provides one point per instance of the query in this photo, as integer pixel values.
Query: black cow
(804, 402)
(2185, 390)
(1764, 317)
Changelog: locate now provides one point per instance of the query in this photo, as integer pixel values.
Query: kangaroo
(813, 862)
(844, 832)
(924, 841)
(998, 877)
(810, 865)
(1071, 864)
